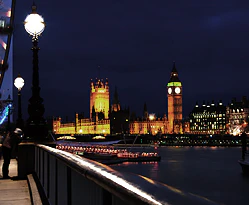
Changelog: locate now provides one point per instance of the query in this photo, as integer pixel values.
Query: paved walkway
(13, 191)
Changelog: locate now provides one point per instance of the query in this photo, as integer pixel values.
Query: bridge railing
(70, 179)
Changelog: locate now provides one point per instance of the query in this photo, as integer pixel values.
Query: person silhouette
(9, 143)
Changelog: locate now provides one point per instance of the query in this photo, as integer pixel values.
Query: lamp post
(19, 83)
(36, 125)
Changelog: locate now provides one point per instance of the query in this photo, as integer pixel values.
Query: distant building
(105, 119)
(152, 125)
(99, 122)
(99, 99)
(186, 126)
(220, 119)
(63, 128)
(237, 114)
(91, 126)
(208, 118)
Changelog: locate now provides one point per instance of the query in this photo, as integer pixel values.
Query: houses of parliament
(205, 118)
(106, 118)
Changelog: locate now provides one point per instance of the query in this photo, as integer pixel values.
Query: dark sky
(135, 43)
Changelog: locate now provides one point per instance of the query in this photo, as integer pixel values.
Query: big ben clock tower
(174, 89)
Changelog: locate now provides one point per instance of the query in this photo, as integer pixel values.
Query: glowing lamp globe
(19, 82)
(151, 117)
(34, 24)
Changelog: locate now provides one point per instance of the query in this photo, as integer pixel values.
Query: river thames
(211, 172)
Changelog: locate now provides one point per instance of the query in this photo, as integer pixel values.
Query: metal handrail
(132, 188)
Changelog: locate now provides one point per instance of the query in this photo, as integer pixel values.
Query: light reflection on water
(211, 172)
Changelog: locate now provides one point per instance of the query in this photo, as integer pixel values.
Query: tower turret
(146, 114)
(115, 101)
(91, 85)
(99, 97)
(107, 84)
(174, 87)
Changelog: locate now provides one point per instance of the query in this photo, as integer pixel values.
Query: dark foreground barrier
(69, 179)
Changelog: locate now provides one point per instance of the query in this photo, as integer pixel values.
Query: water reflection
(205, 171)
(154, 171)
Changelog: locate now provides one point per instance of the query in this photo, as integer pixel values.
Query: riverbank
(177, 144)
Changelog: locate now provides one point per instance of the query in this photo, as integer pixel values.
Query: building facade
(98, 122)
(106, 119)
(220, 119)
(99, 98)
(208, 118)
(237, 114)
(152, 125)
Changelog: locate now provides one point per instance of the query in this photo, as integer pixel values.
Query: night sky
(135, 43)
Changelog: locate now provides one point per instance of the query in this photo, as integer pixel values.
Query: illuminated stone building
(154, 125)
(237, 116)
(63, 128)
(91, 126)
(208, 119)
(186, 126)
(99, 98)
(149, 124)
(105, 119)
(99, 122)
(174, 102)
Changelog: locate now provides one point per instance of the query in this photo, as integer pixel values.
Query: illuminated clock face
(170, 90)
(177, 90)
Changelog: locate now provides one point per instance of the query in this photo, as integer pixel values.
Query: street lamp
(19, 83)
(36, 124)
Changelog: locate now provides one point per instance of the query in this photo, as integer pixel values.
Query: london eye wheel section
(6, 29)
(7, 8)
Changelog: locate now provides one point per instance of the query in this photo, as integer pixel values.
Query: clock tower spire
(174, 87)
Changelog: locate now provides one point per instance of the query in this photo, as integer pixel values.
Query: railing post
(62, 184)
(52, 180)
(107, 197)
(26, 159)
(36, 158)
(69, 186)
(85, 191)
(46, 173)
(43, 168)
(56, 182)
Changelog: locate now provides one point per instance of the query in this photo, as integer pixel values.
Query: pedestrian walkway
(13, 191)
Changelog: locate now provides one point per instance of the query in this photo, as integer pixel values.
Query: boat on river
(97, 156)
(139, 157)
(121, 156)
